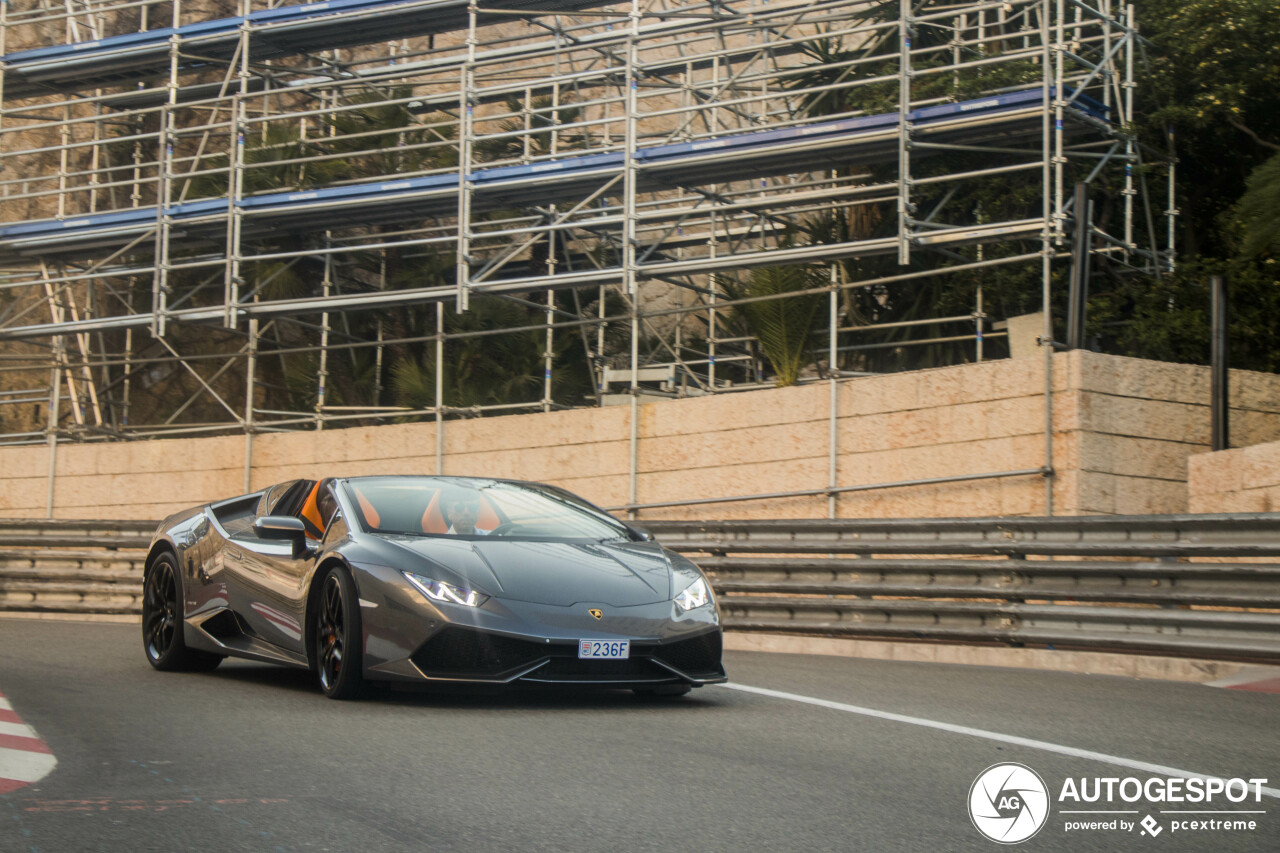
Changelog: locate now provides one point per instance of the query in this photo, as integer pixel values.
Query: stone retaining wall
(1245, 479)
(1123, 431)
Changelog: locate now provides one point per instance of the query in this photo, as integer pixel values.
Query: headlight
(447, 592)
(694, 595)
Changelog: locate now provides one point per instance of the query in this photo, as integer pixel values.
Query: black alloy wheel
(162, 639)
(338, 637)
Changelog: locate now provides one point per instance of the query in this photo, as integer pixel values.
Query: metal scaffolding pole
(659, 153)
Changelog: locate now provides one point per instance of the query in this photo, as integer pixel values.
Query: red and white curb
(24, 757)
(1255, 679)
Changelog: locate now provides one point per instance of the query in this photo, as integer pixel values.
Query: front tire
(338, 638)
(162, 624)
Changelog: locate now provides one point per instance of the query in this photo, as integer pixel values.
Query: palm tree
(784, 325)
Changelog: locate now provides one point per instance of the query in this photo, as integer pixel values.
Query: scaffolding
(236, 205)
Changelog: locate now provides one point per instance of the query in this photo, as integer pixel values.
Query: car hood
(620, 574)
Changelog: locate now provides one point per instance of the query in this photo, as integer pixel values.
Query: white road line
(5, 705)
(24, 766)
(19, 729)
(999, 737)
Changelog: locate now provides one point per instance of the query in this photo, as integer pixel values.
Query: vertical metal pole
(377, 352)
(1108, 77)
(239, 123)
(1078, 289)
(547, 357)
(126, 388)
(549, 353)
(1130, 148)
(905, 208)
(55, 383)
(1171, 208)
(629, 253)
(833, 304)
(1219, 392)
(979, 320)
(322, 375)
(1047, 241)
(466, 130)
(249, 394)
(1059, 110)
(713, 287)
(95, 156)
(64, 143)
(600, 339)
(439, 388)
(164, 194)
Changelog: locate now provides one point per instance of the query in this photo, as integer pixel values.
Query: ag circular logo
(1008, 803)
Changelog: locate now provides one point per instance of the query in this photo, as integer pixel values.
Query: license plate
(604, 649)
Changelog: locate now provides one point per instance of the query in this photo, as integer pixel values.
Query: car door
(269, 589)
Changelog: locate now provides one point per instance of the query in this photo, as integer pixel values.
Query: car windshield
(472, 508)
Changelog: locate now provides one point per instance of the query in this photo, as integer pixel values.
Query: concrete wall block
(1145, 496)
(1253, 427)
(1250, 501)
(864, 434)
(768, 407)
(1270, 499)
(976, 498)
(1130, 377)
(962, 422)
(866, 396)
(1024, 496)
(1159, 419)
(391, 441)
(1135, 457)
(23, 497)
(76, 460)
(602, 491)
(1215, 473)
(1260, 465)
(733, 480)
(1095, 493)
(998, 380)
(1025, 415)
(18, 462)
(1254, 391)
(284, 449)
(731, 447)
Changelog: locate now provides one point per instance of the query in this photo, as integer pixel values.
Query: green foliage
(492, 368)
(375, 138)
(1257, 215)
(1214, 80)
(1167, 319)
(784, 325)
(542, 121)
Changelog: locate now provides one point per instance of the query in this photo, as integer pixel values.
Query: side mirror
(282, 527)
(639, 534)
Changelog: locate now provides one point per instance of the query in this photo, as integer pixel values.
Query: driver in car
(464, 511)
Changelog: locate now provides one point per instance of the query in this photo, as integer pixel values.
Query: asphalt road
(253, 758)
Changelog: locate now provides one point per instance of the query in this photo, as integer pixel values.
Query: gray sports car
(428, 579)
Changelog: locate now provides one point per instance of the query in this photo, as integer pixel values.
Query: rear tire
(337, 641)
(162, 622)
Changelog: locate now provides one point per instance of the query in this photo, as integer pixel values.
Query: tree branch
(1255, 137)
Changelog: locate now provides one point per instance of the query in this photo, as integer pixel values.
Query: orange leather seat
(311, 514)
(433, 518)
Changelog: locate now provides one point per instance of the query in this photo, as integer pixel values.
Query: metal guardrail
(1189, 585)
